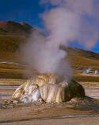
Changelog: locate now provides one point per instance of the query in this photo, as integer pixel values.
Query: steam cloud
(68, 20)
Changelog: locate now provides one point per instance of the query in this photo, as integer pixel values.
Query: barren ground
(83, 113)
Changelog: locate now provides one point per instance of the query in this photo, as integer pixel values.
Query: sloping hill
(10, 27)
(13, 34)
(82, 59)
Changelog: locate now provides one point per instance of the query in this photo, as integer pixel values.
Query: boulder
(76, 89)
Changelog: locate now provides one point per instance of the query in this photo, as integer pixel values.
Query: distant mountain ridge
(13, 34)
(10, 27)
(11, 37)
(81, 52)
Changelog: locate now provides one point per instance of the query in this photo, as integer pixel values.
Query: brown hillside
(9, 27)
(13, 34)
(83, 59)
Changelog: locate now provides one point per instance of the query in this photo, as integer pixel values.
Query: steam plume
(67, 21)
(86, 13)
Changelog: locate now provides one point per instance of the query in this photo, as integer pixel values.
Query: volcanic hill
(14, 28)
(13, 34)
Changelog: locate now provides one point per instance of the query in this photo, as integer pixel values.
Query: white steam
(67, 21)
(86, 13)
(45, 56)
(61, 25)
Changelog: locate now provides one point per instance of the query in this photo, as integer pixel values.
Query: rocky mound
(44, 87)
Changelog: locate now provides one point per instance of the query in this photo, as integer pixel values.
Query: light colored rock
(52, 93)
(45, 87)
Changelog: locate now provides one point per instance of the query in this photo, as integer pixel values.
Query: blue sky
(27, 11)
(21, 11)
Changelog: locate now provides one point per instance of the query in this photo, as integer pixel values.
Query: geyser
(66, 21)
(45, 54)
